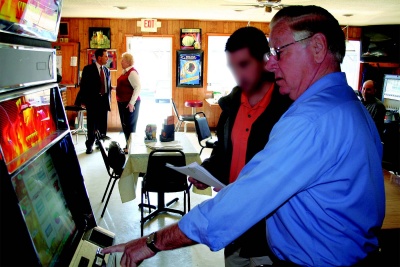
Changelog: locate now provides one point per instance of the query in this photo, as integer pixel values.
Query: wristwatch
(150, 242)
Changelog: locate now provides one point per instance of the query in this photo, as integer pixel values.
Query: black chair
(203, 131)
(187, 118)
(161, 179)
(114, 175)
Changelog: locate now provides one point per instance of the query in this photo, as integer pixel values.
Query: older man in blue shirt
(322, 201)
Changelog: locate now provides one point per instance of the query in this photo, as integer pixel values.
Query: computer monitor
(45, 210)
(391, 87)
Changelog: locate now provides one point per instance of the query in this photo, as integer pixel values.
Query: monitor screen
(25, 122)
(391, 87)
(42, 203)
(32, 18)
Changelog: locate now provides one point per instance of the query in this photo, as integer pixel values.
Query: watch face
(150, 239)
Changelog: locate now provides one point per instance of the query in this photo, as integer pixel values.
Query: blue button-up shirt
(318, 182)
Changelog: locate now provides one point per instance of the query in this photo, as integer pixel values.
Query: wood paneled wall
(121, 28)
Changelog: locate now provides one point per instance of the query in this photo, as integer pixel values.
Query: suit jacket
(90, 86)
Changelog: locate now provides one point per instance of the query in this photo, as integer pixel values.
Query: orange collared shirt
(245, 118)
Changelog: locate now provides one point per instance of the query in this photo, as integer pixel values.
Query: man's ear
(319, 47)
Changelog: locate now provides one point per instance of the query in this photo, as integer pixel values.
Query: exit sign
(149, 25)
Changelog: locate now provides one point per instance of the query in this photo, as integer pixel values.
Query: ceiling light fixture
(121, 7)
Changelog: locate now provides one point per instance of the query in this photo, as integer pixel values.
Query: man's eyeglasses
(277, 51)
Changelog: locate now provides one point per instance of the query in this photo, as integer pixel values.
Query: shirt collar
(127, 69)
(262, 103)
(98, 65)
(329, 80)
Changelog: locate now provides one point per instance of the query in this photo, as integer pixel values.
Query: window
(153, 61)
(220, 78)
(351, 63)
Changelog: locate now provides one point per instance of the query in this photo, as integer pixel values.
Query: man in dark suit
(95, 95)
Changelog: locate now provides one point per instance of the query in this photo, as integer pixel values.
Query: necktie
(102, 81)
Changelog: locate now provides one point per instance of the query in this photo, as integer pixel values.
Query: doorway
(153, 61)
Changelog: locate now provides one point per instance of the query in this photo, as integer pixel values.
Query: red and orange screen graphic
(24, 122)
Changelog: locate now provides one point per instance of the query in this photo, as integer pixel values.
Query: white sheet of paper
(164, 145)
(199, 173)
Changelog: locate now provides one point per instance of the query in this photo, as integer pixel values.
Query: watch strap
(150, 242)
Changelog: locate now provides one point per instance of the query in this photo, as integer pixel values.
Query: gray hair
(308, 20)
(128, 57)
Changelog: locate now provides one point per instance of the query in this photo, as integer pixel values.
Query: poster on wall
(112, 58)
(190, 39)
(99, 37)
(189, 68)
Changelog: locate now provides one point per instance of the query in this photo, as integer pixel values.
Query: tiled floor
(123, 219)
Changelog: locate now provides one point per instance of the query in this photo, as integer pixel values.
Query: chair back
(102, 150)
(106, 159)
(175, 109)
(202, 129)
(160, 178)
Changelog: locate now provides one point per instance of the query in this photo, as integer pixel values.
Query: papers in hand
(164, 145)
(199, 173)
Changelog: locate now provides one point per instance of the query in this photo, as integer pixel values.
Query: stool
(81, 127)
(193, 104)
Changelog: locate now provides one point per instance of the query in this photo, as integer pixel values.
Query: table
(137, 162)
(212, 102)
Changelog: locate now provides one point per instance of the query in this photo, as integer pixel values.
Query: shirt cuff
(195, 225)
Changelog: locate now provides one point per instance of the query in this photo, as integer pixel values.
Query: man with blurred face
(248, 114)
(323, 203)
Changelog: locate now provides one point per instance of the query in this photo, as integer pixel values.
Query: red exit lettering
(149, 23)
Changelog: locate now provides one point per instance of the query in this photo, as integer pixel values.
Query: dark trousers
(128, 119)
(96, 116)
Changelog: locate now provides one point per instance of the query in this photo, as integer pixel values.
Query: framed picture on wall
(112, 58)
(99, 37)
(189, 68)
(63, 30)
(190, 39)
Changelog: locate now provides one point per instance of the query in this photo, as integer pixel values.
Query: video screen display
(391, 87)
(42, 202)
(33, 18)
(25, 121)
